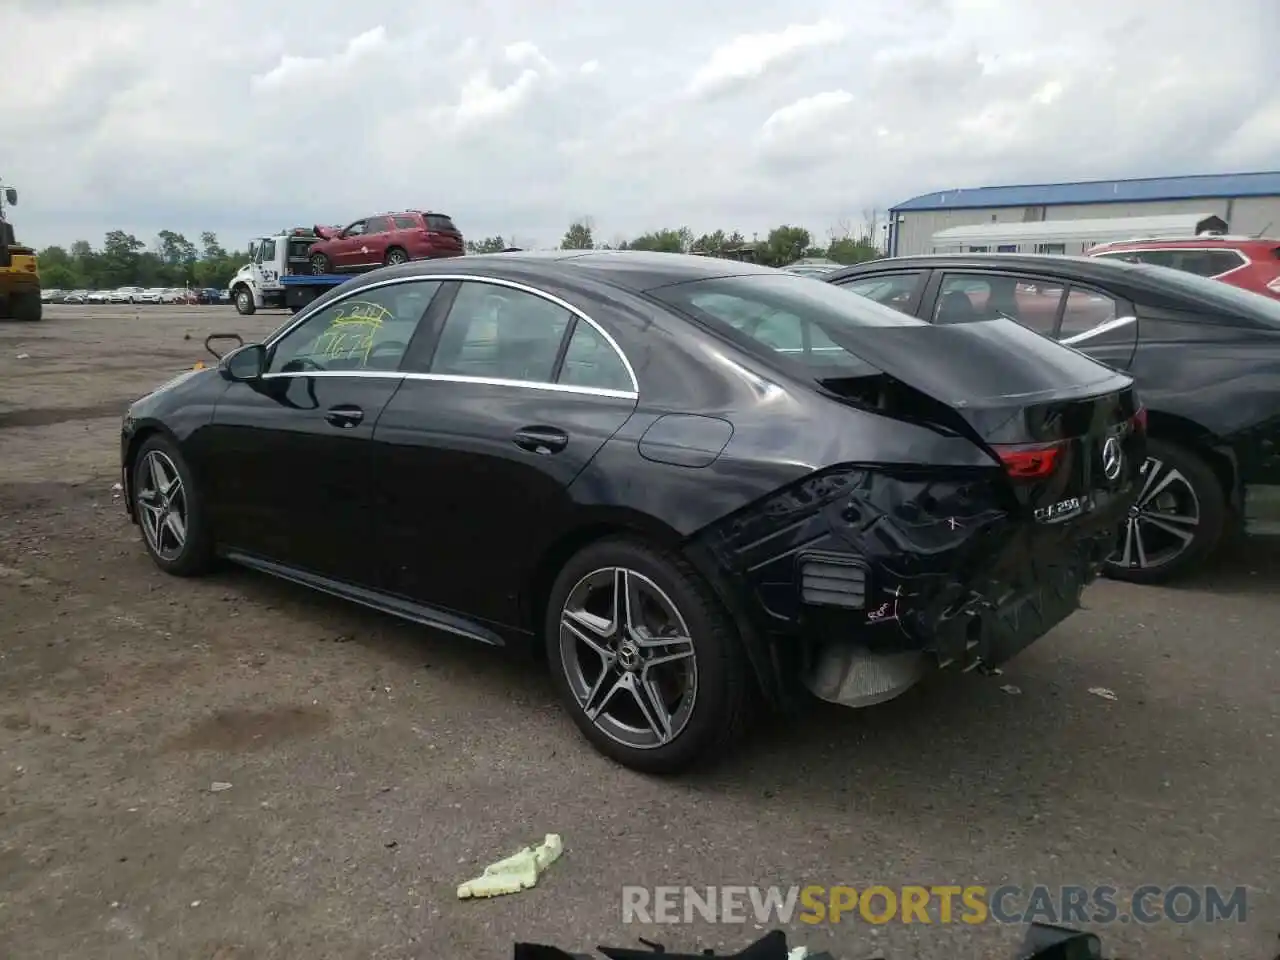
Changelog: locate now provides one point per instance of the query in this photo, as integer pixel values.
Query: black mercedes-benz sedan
(695, 482)
(1205, 357)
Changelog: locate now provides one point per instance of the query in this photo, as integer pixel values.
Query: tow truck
(278, 274)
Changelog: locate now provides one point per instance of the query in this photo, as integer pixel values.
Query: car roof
(634, 270)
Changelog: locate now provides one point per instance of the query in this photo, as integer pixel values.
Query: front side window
(369, 330)
(895, 290)
(355, 230)
(267, 252)
(497, 332)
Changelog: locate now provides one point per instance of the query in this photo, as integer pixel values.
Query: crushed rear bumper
(864, 579)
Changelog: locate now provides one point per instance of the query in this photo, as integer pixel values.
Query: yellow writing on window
(350, 336)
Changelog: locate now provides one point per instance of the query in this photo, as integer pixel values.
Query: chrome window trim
(1105, 327)
(307, 314)
(455, 378)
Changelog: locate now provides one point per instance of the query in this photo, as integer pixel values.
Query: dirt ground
(373, 765)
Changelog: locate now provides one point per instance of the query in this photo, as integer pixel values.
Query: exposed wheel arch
(1204, 443)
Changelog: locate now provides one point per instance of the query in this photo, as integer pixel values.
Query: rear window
(784, 314)
(438, 221)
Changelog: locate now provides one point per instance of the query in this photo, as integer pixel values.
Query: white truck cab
(257, 284)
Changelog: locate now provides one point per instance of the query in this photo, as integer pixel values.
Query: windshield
(1215, 292)
(785, 314)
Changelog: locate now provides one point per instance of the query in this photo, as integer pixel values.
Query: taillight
(1139, 419)
(1029, 462)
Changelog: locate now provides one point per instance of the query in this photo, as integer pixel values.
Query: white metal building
(1243, 203)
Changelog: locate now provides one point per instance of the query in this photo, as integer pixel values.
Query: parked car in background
(149, 295)
(209, 295)
(124, 295)
(97, 296)
(812, 267)
(1251, 263)
(76, 296)
(51, 296)
(389, 239)
(1205, 355)
(730, 479)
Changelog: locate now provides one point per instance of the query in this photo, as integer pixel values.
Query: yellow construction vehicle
(19, 272)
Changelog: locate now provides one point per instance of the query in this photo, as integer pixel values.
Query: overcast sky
(515, 116)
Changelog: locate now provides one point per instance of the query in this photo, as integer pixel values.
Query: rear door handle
(543, 440)
(344, 416)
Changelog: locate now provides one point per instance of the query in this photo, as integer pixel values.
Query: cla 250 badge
(1061, 510)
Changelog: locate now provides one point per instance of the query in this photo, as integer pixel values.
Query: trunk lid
(1068, 430)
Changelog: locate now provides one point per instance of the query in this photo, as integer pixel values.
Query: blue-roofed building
(1249, 203)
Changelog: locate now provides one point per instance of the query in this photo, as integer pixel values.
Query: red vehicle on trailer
(384, 240)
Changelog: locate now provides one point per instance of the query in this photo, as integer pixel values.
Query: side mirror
(11, 195)
(244, 364)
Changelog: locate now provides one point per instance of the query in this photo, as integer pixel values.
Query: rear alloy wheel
(645, 658)
(169, 510)
(1175, 523)
(244, 302)
(320, 265)
(395, 257)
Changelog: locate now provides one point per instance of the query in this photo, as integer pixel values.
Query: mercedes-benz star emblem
(1112, 458)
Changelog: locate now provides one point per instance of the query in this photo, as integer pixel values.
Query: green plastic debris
(517, 872)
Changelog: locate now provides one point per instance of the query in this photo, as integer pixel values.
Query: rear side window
(1207, 263)
(590, 361)
(499, 333)
(784, 314)
(405, 223)
(441, 223)
(966, 298)
(1085, 310)
(378, 225)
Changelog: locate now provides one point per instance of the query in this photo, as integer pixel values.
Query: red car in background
(384, 240)
(1251, 263)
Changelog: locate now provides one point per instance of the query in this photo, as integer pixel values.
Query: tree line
(780, 246)
(174, 261)
(124, 260)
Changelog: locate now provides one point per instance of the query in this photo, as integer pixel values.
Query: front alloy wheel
(629, 658)
(162, 505)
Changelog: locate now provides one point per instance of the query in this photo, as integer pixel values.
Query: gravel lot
(375, 765)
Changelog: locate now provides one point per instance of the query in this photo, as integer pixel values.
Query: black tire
(395, 256)
(1195, 486)
(196, 553)
(242, 297)
(26, 306)
(320, 264)
(720, 706)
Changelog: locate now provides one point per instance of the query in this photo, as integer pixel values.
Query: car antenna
(1263, 232)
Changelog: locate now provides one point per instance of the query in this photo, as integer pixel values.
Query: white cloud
(750, 56)
(153, 114)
